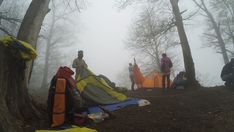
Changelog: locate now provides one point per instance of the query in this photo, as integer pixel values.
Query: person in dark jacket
(166, 66)
(131, 75)
(180, 80)
(227, 74)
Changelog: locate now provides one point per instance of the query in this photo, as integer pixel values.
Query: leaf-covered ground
(200, 110)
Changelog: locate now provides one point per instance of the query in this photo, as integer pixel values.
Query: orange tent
(138, 77)
(152, 80)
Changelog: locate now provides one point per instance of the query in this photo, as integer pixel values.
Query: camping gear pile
(88, 99)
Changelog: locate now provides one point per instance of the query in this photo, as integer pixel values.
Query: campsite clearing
(200, 110)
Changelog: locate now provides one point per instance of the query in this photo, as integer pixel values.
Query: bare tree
(11, 13)
(216, 27)
(223, 8)
(188, 60)
(149, 35)
(56, 39)
(224, 11)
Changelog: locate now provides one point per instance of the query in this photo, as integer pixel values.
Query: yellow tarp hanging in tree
(27, 52)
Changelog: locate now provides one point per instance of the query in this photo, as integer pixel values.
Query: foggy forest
(116, 65)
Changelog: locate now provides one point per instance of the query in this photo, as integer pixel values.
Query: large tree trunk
(31, 26)
(15, 104)
(188, 60)
(8, 123)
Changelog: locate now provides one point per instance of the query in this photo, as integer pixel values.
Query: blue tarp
(115, 106)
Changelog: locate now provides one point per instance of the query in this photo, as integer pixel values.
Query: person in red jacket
(165, 66)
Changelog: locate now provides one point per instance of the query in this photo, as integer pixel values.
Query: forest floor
(198, 110)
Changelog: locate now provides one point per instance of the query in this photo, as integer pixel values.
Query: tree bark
(31, 26)
(8, 123)
(15, 106)
(28, 32)
(188, 60)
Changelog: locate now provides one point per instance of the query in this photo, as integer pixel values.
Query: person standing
(165, 66)
(131, 75)
(79, 63)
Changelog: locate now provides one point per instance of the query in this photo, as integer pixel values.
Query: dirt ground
(200, 110)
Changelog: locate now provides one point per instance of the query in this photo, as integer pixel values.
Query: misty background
(105, 29)
(101, 30)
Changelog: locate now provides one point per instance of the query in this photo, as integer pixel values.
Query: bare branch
(210, 35)
(5, 31)
(229, 51)
(77, 6)
(1, 2)
(12, 20)
(124, 3)
(199, 5)
(192, 14)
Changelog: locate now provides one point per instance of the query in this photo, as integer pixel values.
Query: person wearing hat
(227, 74)
(165, 66)
(79, 63)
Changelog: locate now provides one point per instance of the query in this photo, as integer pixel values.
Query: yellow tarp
(30, 52)
(97, 89)
(75, 129)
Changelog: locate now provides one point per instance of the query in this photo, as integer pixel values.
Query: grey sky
(104, 28)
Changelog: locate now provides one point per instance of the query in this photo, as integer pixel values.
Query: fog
(104, 28)
(101, 30)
